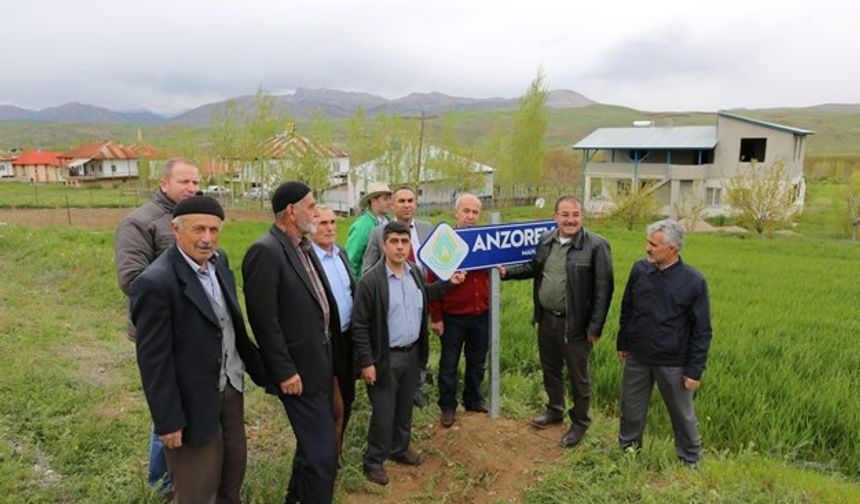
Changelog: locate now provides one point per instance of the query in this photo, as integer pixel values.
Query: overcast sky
(171, 55)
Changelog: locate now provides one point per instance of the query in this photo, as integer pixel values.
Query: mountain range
(301, 104)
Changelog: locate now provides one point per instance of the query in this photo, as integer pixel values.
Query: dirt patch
(478, 460)
(95, 218)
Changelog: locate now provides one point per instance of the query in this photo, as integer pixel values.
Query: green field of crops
(778, 408)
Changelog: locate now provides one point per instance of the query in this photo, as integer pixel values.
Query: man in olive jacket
(573, 284)
(389, 331)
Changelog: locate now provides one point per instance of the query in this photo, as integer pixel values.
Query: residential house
(101, 160)
(280, 157)
(687, 164)
(6, 170)
(37, 166)
(443, 175)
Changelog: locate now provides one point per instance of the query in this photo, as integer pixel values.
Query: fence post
(68, 209)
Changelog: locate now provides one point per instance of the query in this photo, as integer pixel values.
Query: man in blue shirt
(664, 336)
(389, 331)
(336, 267)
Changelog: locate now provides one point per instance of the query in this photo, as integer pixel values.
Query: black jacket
(342, 358)
(589, 280)
(370, 318)
(179, 345)
(666, 317)
(285, 316)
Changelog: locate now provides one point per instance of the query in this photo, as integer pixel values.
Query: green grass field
(778, 409)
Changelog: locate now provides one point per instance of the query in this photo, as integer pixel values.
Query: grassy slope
(74, 403)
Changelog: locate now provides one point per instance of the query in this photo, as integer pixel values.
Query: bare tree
(760, 196)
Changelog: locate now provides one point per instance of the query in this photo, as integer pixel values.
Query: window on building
(623, 187)
(713, 196)
(113, 168)
(753, 149)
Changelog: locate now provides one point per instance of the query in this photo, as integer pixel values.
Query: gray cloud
(169, 56)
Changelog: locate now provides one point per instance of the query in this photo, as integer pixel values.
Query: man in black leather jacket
(572, 272)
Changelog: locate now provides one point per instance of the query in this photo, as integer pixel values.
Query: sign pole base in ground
(495, 319)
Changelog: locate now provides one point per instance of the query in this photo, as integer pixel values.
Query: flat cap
(287, 194)
(199, 204)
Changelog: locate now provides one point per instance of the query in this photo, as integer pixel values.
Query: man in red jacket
(461, 319)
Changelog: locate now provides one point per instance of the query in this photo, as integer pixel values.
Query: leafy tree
(259, 129)
(634, 205)
(526, 143)
(450, 161)
(760, 196)
(313, 164)
(562, 168)
(226, 131)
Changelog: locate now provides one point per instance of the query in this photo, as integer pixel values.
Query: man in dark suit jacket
(293, 316)
(336, 266)
(389, 331)
(192, 351)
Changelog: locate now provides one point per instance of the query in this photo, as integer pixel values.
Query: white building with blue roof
(687, 164)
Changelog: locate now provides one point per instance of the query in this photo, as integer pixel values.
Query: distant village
(682, 165)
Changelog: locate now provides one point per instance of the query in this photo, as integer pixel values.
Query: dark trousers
(343, 397)
(636, 385)
(315, 461)
(554, 354)
(469, 332)
(391, 409)
(213, 472)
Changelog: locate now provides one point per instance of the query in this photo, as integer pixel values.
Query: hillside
(837, 127)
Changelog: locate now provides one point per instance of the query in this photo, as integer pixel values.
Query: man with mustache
(193, 351)
(294, 315)
(140, 238)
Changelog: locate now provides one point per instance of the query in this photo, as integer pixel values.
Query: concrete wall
(784, 145)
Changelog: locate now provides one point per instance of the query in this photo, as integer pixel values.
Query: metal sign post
(495, 329)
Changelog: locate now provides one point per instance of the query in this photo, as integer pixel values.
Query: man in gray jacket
(404, 203)
(572, 272)
(140, 238)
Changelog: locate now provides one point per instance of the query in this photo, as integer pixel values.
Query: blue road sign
(447, 250)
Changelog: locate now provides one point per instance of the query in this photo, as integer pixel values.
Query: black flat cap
(287, 194)
(199, 205)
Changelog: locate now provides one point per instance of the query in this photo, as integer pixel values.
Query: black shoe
(447, 418)
(547, 418)
(572, 437)
(409, 458)
(478, 408)
(376, 475)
